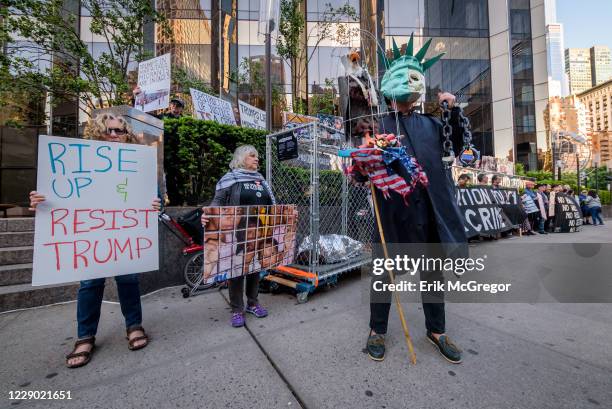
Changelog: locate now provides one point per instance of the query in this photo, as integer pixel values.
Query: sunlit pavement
(515, 355)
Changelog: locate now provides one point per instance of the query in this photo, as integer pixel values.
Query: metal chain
(467, 133)
(447, 131)
(468, 149)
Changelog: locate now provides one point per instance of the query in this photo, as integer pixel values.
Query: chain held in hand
(469, 155)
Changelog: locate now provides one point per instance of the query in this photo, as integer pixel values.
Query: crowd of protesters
(535, 202)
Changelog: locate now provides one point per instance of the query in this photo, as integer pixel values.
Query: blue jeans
(596, 215)
(89, 303)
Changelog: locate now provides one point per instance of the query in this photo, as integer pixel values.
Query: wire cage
(327, 203)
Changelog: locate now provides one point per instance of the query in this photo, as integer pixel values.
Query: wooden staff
(398, 304)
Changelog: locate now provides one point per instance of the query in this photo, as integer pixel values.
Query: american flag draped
(375, 162)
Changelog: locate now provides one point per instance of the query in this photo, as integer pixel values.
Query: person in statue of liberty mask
(427, 216)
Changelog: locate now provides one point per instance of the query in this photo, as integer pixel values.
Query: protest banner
(240, 240)
(154, 82)
(212, 108)
(510, 202)
(251, 117)
(568, 217)
(97, 219)
(481, 212)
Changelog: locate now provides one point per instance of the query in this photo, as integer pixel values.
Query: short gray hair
(240, 155)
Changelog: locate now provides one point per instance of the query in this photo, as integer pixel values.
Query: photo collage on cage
(240, 240)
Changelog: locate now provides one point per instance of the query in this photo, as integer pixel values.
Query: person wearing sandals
(243, 185)
(109, 128)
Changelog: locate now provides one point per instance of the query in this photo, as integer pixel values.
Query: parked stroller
(189, 230)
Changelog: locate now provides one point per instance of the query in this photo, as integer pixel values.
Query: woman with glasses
(109, 128)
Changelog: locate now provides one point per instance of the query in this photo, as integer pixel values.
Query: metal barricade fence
(327, 202)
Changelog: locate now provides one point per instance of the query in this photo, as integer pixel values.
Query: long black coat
(432, 214)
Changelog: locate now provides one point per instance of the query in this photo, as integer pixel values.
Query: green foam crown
(397, 67)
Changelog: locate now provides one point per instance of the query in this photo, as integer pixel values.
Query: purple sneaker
(257, 310)
(237, 319)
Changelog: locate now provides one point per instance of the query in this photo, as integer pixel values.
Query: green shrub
(197, 153)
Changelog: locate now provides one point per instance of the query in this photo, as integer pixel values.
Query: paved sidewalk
(516, 355)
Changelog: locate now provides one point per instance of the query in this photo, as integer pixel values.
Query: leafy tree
(44, 54)
(324, 102)
(294, 35)
(183, 81)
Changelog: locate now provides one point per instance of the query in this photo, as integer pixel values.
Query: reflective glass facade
(190, 45)
(462, 32)
(217, 42)
(522, 83)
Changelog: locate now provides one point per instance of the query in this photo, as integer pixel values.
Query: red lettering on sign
(139, 246)
(56, 247)
(58, 221)
(76, 221)
(135, 220)
(114, 224)
(101, 219)
(79, 254)
(118, 249)
(110, 252)
(146, 212)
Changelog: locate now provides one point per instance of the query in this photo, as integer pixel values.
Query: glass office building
(495, 58)
(489, 61)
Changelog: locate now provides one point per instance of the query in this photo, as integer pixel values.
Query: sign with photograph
(240, 240)
(212, 108)
(251, 117)
(154, 82)
(97, 219)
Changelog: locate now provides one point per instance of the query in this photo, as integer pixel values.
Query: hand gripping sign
(97, 219)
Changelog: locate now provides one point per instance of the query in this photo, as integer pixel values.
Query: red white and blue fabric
(376, 164)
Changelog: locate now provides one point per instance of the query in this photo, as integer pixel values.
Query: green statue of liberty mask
(404, 79)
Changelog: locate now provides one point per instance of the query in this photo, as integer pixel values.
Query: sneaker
(542, 232)
(376, 347)
(237, 319)
(257, 310)
(449, 351)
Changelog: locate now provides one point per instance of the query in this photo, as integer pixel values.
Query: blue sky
(586, 23)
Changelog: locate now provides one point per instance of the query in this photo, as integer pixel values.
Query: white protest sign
(212, 108)
(251, 117)
(97, 219)
(154, 83)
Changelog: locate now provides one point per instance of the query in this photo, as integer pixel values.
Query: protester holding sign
(243, 185)
(108, 128)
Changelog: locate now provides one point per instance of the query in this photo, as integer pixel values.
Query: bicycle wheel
(193, 272)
